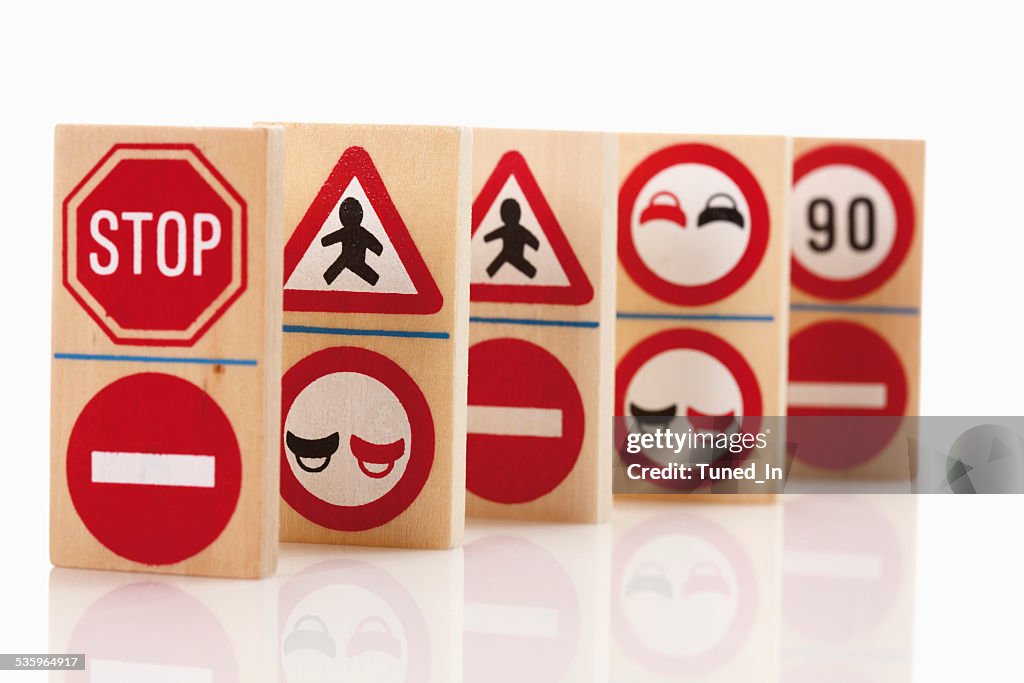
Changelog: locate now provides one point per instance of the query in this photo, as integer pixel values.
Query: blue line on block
(697, 316)
(850, 308)
(352, 332)
(534, 321)
(153, 359)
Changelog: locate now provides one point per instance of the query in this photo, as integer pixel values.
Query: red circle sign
(357, 439)
(693, 224)
(154, 468)
(154, 244)
(525, 421)
(690, 374)
(845, 370)
(852, 220)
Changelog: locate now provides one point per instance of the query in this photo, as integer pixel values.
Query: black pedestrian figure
(355, 241)
(514, 240)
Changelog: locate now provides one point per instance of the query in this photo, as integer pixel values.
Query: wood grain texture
(247, 393)
(512, 476)
(748, 315)
(426, 175)
(890, 311)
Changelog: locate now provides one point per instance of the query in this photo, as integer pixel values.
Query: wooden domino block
(541, 326)
(166, 349)
(376, 298)
(856, 222)
(702, 290)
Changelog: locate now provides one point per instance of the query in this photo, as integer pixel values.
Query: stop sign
(154, 244)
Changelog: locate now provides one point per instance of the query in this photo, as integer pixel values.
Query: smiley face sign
(693, 224)
(357, 439)
(690, 374)
(852, 220)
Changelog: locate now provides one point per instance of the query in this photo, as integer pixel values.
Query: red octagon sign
(154, 244)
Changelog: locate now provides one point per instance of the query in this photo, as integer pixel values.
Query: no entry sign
(154, 244)
(154, 468)
(357, 440)
(843, 369)
(693, 224)
(526, 421)
(852, 219)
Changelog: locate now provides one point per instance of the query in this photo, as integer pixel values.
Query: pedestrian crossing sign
(519, 252)
(352, 253)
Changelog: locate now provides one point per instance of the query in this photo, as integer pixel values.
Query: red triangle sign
(519, 252)
(351, 252)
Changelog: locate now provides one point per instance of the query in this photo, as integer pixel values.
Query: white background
(950, 74)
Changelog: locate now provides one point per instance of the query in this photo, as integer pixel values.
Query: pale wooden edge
(56, 256)
(787, 290)
(606, 353)
(460, 338)
(272, 329)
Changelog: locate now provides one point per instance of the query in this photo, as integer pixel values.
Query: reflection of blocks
(163, 629)
(695, 592)
(371, 615)
(856, 221)
(533, 603)
(372, 445)
(166, 349)
(541, 337)
(703, 260)
(847, 602)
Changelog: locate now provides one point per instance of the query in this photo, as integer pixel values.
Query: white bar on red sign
(510, 620)
(833, 565)
(153, 469)
(872, 395)
(117, 671)
(515, 421)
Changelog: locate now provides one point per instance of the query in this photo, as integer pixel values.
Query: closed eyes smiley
(375, 460)
(699, 420)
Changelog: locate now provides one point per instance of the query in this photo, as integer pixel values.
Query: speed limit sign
(852, 220)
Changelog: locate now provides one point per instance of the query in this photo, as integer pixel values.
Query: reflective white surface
(811, 588)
